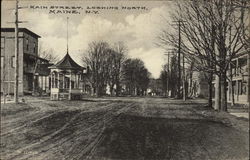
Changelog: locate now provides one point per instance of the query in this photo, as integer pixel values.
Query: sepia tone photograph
(125, 80)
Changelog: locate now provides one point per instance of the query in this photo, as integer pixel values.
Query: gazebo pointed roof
(67, 63)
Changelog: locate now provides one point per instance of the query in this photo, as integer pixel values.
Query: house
(155, 87)
(198, 86)
(29, 62)
(240, 80)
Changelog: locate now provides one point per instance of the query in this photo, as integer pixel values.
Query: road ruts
(48, 145)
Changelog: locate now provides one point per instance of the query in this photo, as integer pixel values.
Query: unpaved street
(121, 128)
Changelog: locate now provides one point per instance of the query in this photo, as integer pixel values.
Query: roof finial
(67, 36)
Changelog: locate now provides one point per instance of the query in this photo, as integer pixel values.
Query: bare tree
(164, 77)
(117, 56)
(48, 54)
(97, 59)
(207, 40)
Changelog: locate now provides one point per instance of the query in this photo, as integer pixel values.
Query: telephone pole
(179, 60)
(184, 78)
(168, 70)
(168, 73)
(16, 79)
(179, 23)
(16, 55)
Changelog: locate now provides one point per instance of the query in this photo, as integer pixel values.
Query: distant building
(31, 66)
(199, 86)
(155, 87)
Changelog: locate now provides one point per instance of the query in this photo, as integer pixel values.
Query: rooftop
(20, 30)
(67, 63)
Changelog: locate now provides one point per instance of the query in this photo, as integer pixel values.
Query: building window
(240, 87)
(34, 49)
(243, 65)
(233, 65)
(27, 44)
(13, 63)
(2, 62)
(2, 42)
(244, 88)
(2, 45)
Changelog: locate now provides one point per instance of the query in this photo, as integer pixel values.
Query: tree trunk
(231, 86)
(232, 94)
(210, 89)
(111, 90)
(92, 91)
(217, 93)
(98, 91)
(223, 92)
(118, 88)
(210, 94)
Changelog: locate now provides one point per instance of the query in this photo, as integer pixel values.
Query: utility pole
(248, 74)
(16, 55)
(179, 60)
(16, 76)
(168, 71)
(248, 65)
(179, 23)
(184, 79)
(168, 75)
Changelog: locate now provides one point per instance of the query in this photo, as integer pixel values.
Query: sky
(137, 28)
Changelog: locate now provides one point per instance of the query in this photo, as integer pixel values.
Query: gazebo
(66, 79)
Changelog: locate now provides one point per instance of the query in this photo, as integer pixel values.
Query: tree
(213, 34)
(97, 58)
(135, 76)
(117, 58)
(173, 76)
(164, 77)
(48, 54)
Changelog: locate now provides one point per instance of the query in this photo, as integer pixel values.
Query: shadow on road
(137, 137)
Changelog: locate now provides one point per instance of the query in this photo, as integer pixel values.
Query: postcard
(125, 80)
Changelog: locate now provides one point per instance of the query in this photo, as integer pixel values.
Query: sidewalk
(25, 99)
(239, 112)
(244, 115)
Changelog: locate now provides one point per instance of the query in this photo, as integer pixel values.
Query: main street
(121, 128)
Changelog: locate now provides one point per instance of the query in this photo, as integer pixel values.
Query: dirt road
(121, 128)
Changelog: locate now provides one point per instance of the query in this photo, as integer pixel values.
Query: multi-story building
(240, 79)
(29, 61)
(239, 75)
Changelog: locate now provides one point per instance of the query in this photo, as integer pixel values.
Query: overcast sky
(137, 29)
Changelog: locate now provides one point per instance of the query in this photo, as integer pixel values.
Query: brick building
(30, 63)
